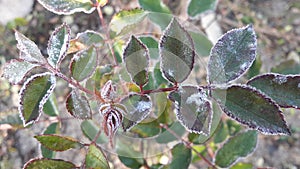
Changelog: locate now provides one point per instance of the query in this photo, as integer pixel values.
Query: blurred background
(276, 22)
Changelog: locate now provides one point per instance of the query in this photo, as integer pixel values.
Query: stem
(188, 145)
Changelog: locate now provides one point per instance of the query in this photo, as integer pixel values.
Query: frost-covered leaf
(29, 51)
(181, 156)
(124, 20)
(84, 40)
(159, 12)
(33, 95)
(67, 7)
(202, 43)
(193, 109)
(50, 107)
(95, 158)
(283, 89)
(51, 129)
(177, 53)
(136, 58)
(108, 91)
(84, 64)
(90, 130)
(57, 143)
(48, 163)
(78, 105)
(252, 108)
(58, 45)
(138, 108)
(197, 7)
(238, 146)
(15, 70)
(232, 55)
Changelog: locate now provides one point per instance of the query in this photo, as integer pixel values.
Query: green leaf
(67, 7)
(254, 70)
(90, 130)
(177, 53)
(166, 136)
(78, 105)
(232, 55)
(242, 166)
(50, 107)
(202, 43)
(197, 7)
(51, 129)
(136, 58)
(238, 146)
(86, 39)
(182, 156)
(95, 159)
(57, 143)
(200, 138)
(152, 46)
(48, 163)
(193, 110)
(138, 107)
(99, 78)
(159, 13)
(29, 51)
(15, 70)
(145, 130)
(252, 108)
(283, 89)
(58, 45)
(287, 67)
(33, 95)
(125, 20)
(84, 64)
(133, 163)
(221, 134)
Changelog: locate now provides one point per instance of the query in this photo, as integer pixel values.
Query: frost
(280, 79)
(143, 106)
(78, 106)
(197, 98)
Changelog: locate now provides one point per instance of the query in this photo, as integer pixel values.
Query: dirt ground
(276, 22)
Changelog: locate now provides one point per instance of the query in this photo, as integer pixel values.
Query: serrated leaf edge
(147, 57)
(160, 42)
(267, 98)
(43, 100)
(250, 26)
(276, 75)
(67, 45)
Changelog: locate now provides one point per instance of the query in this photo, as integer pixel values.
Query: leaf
(252, 108)
(254, 70)
(138, 107)
(133, 163)
(177, 53)
(102, 3)
(283, 89)
(124, 20)
(57, 143)
(202, 43)
(145, 130)
(221, 134)
(193, 110)
(48, 163)
(197, 7)
(136, 58)
(242, 166)
(78, 105)
(152, 46)
(84, 40)
(232, 55)
(99, 78)
(95, 159)
(50, 107)
(67, 7)
(84, 64)
(33, 95)
(238, 146)
(182, 156)
(159, 12)
(51, 129)
(90, 130)
(58, 45)
(167, 136)
(15, 70)
(287, 67)
(29, 51)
